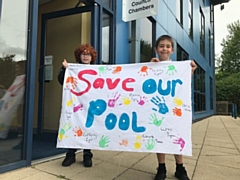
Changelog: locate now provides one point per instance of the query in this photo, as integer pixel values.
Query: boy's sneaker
(161, 173)
(69, 159)
(181, 174)
(87, 159)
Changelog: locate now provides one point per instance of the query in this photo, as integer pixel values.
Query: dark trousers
(72, 151)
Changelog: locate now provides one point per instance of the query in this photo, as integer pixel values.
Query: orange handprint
(117, 69)
(72, 81)
(77, 131)
(124, 142)
(177, 111)
(143, 70)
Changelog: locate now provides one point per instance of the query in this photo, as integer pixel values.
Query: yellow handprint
(177, 101)
(63, 130)
(126, 101)
(70, 102)
(138, 142)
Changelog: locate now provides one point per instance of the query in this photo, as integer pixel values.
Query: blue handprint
(163, 109)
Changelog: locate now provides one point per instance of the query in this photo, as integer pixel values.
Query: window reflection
(145, 41)
(105, 38)
(13, 48)
(107, 3)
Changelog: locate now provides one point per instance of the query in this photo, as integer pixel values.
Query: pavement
(216, 156)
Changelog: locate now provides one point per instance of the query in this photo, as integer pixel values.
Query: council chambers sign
(136, 9)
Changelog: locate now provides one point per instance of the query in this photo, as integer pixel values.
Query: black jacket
(61, 75)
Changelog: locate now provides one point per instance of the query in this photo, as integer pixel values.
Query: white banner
(136, 9)
(143, 107)
(10, 103)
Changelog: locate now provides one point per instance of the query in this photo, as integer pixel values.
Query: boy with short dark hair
(164, 47)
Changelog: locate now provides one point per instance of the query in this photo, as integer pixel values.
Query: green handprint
(104, 141)
(150, 144)
(102, 70)
(171, 70)
(154, 120)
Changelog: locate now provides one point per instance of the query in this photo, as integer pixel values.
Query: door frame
(45, 18)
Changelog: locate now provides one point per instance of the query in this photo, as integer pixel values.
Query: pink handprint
(181, 142)
(76, 108)
(142, 100)
(113, 100)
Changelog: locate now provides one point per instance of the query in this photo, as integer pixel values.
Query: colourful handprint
(162, 107)
(171, 70)
(126, 101)
(138, 142)
(78, 107)
(77, 131)
(144, 71)
(70, 102)
(117, 70)
(104, 141)
(63, 130)
(150, 144)
(72, 81)
(181, 143)
(142, 100)
(154, 120)
(177, 101)
(113, 100)
(177, 112)
(124, 142)
(102, 70)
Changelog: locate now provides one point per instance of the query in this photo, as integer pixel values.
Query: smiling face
(164, 50)
(86, 57)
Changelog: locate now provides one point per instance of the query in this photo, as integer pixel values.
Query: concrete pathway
(216, 156)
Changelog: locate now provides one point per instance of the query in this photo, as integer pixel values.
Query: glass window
(146, 48)
(190, 19)
(107, 3)
(13, 50)
(211, 93)
(202, 33)
(181, 54)
(199, 90)
(179, 11)
(105, 38)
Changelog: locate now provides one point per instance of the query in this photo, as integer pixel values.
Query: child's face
(86, 57)
(164, 50)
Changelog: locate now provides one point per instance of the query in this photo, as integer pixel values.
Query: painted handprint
(104, 141)
(117, 70)
(72, 81)
(124, 142)
(70, 102)
(162, 107)
(177, 112)
(150, 144)
(78, 107)
(154, 120)
(126, 100)
(142, 100)
(102, 70)
(63, 130)
(177, 101)
(113, 100)
(181, 143)
(171, 70)
(144, 71)
(77, 131)
(138, 142)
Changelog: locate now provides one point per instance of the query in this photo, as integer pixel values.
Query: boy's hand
(64, 63)
(154, 60)
(194, 66)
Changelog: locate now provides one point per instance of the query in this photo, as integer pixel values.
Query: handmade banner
(9, 104)
(143, 107)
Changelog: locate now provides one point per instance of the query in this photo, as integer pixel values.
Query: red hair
(85, 48)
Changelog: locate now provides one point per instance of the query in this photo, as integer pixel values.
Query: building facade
(36, 35)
